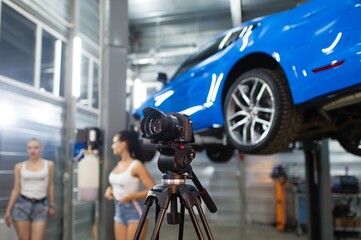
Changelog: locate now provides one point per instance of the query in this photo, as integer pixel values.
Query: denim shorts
(29, 210)
(126, 213)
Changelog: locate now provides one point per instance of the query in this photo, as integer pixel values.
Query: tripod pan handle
(208, 200)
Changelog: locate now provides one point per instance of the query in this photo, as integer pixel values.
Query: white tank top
(123, 183)
(34, 184)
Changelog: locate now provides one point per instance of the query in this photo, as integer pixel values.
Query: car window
(208, 50)
(229, 39)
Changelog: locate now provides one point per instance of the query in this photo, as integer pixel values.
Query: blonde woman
(32, 197)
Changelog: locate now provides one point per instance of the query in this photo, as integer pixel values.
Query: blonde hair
(35, 140)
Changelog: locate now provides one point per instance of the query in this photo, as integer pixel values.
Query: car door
(327, 58)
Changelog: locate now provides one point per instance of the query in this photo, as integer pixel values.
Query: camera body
(171, 134)
(161, 128)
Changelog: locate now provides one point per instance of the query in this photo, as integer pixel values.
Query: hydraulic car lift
(318, 190)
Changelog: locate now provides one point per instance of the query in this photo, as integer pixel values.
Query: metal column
(236, 12)
(70, 117)
(114, 45)
(318, 193)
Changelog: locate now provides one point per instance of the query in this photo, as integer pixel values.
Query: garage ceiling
(150, 11)
(164, 32)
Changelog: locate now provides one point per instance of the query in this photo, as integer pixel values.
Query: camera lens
(155, 126)
(158, 126)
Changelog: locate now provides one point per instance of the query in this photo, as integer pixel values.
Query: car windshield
(210, 49)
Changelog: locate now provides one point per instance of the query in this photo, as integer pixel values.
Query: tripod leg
(195, 223)
(157, 211)
(181, 224)
(158, 224)
(163, 195)
(148, 203)
(203, 218)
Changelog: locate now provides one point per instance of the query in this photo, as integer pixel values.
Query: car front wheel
(260, 117)
(350, 138)
(220, 154)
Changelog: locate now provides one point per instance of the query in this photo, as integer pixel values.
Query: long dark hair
(134, 145)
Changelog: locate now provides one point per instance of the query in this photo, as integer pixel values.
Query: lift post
(318, 190)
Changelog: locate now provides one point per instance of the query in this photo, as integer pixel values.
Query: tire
(350, 139)
(220, 154)
(259, 114)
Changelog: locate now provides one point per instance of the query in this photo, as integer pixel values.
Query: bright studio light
(57, 66)
(7, 114)
(76, 76)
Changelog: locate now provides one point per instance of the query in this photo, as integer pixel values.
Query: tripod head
(175, 158)
(173, 135)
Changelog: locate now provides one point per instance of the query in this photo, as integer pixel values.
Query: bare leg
(132, 227)
(95, 230)
(120, 231)
(22, 229)
(38, 230)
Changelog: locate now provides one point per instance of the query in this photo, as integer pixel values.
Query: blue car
(262, 85)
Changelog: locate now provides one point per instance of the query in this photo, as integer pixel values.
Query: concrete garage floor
(232, 231)
(226, 231)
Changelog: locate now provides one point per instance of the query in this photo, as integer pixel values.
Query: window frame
(92, 61)
(40, 27)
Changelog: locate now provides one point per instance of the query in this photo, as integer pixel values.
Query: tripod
(173, 187)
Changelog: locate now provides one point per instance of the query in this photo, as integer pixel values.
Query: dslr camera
(161, 128)
(171, 134)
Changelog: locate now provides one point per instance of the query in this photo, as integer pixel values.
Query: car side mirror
(162, 77)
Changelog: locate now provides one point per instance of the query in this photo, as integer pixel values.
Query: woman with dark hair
(125, 181)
